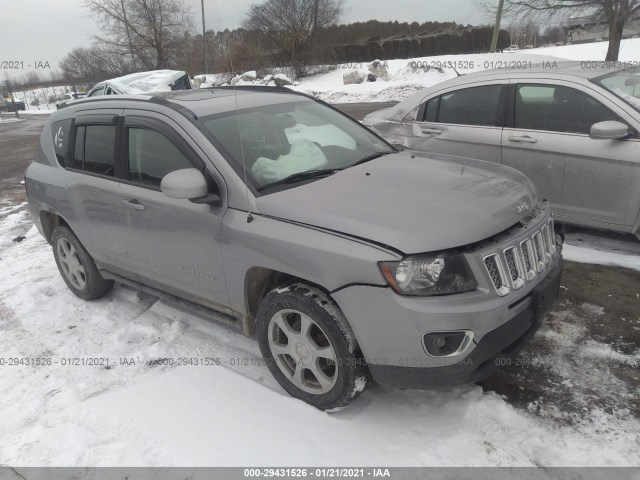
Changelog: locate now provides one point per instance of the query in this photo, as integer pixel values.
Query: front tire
(309, 347)
(76, 266)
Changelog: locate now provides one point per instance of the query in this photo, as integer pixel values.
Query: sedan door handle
(433, 131)
(133, 204)
(523, 139)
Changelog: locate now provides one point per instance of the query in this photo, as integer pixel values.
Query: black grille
(492, 268)
(511, 264)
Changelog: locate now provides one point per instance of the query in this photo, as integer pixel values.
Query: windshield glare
(624, 84)
(281, 140)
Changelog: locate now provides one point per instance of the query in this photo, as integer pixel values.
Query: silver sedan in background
(571, 127)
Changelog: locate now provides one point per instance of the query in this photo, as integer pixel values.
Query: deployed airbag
(304, 155)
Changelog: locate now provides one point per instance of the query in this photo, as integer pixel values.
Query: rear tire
(76, 266)
(309, 347)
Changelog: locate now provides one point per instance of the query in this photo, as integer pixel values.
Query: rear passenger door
(91, 203)
(173, 245)
(547, 138)
(465, 122)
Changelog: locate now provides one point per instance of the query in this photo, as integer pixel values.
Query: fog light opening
(447, 344)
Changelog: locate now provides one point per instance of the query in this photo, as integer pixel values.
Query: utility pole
(496, 28)
(204, 39)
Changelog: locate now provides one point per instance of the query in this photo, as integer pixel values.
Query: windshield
(624, 84)
(282, 142)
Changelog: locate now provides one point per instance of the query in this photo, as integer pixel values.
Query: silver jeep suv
(274, 212)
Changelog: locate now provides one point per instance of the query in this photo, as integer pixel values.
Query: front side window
(556, 108)
(275, 142)
(469, 106)
(94, 149)
(152, 156)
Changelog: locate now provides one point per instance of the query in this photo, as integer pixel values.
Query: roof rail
(134, 98)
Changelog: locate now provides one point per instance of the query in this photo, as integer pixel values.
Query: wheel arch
(49, 221)
(259, 281)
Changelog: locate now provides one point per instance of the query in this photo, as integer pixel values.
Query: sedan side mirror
(609, 130)
(188, 184)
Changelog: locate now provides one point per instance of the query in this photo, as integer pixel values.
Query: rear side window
(94, 149)
(152, 156)
(431, 112)
(60, 135)
(469, 106)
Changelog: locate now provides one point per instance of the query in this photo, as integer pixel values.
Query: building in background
(586, 27)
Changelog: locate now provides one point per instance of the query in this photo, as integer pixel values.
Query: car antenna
(244, 165)
(457, 72)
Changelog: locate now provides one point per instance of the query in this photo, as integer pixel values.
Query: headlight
(429, 275)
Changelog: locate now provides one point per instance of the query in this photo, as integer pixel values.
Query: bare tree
(150, 31)
(94, 64)
(615, 12)
(289, 25)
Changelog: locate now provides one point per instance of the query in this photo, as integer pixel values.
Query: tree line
(138, 35)
(141, 35)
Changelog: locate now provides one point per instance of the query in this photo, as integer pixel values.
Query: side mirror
(188, 184)
(609, 130)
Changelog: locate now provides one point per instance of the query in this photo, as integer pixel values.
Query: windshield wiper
(300, 176)
(371, 157)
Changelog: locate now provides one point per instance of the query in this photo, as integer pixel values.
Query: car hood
(413, 202)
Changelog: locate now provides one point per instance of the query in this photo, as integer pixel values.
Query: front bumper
(505, 342)
(389, 330)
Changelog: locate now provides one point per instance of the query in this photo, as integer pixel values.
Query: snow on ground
(600, 257)
(38, 100)
(9, 118)
(406, 80)
(405, 75)
(147, 412)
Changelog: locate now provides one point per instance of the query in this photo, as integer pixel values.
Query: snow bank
(399, 79)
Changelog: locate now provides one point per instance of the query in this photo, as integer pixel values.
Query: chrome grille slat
(515, 266)
(521, 263)
(498, 275)
(539, 251)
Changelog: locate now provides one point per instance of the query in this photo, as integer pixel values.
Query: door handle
(133, 204)
(433, 131)
(523, 139)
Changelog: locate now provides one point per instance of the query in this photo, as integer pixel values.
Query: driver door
(173, 245)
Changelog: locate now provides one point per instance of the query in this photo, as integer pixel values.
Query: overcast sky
(46, 30)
